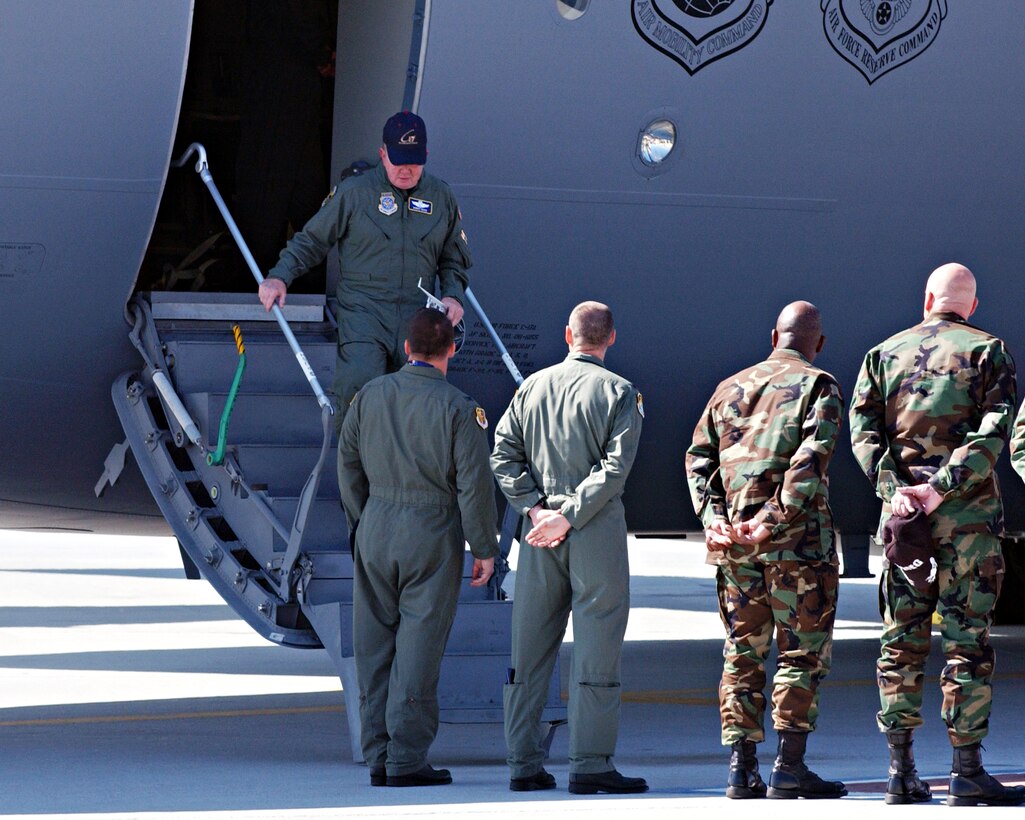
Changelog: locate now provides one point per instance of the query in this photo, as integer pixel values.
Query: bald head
(590, 329)
(951, 289)
(799, 327)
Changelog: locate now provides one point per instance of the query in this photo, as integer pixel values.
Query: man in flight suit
(757, 475)
(931, 412)
(562, 453)
(392, 226)
(415, 483)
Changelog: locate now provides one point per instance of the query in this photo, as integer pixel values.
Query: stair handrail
(287, 572)
(511, 519)
(203, 169)
(510, 365)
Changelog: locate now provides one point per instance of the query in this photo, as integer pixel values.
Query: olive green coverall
(415, 483)
(387, 239)
(568, 440)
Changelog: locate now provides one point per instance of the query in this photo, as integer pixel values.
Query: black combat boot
(791, 779)
(743, 781)
(971, 785)
(904, 785)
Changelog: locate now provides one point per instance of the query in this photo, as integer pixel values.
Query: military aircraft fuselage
(835, 152)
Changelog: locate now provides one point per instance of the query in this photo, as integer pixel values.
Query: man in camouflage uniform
(930, 414)
(563, 450)
(416, 485)
(757, 476)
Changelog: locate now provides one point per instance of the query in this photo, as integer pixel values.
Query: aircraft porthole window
(657, 142)
(572, 9)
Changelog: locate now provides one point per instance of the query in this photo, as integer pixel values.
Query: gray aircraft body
(695, 164)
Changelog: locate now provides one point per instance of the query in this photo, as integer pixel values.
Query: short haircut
(430, 333)
(591, 324)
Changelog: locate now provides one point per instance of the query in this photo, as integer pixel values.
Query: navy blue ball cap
(405, 138)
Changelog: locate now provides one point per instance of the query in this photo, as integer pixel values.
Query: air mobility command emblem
(387, 205)
(640, 404)
(420, 206)
(877, 36)
(482, 419)
(695, 33)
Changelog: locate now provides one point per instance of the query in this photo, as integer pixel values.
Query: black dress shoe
(427, 776)
(378, 777)
(609, 782)
(539, 781)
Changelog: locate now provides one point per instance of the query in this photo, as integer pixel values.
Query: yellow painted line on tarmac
(228, 713)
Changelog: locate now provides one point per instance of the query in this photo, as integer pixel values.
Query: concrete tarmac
(127, 691)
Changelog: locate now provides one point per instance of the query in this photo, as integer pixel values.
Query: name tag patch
(420, 206)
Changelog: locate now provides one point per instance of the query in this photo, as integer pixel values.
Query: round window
(572, 9)
(657, 142)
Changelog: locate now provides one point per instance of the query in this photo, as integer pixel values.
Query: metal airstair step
(283, 468)
(205, 361)
(326, 527)
(259, 417)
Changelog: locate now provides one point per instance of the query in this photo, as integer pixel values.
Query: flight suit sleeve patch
(640, 404)
(330, 195)
(482, 419)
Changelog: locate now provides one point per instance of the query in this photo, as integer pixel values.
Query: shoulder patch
(640, 404)
(329, 196)
(462, 235)
(482, 419)
(353, 398)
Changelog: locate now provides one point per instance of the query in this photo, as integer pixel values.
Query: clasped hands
(721, 535)
(906, 500)
(550, 527)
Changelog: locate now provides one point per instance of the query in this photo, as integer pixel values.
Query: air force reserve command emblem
(698, 32)
(387, 205)
(482, 419)
(877, 36)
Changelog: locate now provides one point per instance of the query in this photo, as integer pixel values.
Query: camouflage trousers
(796, 600)
(970, 572)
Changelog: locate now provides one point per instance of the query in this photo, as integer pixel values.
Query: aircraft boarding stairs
(265, 531)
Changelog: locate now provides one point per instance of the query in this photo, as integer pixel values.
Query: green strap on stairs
(217, 457)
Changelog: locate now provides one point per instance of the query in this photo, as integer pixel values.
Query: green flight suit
(568, 439)
(387, 239)
(934, 403)
(414, 480)
(761, 452)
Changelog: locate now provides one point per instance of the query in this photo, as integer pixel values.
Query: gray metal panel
(91, 92)
(373, 55)
(920, 167)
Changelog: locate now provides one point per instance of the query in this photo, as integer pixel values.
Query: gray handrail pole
(509, 363)
(203, 170)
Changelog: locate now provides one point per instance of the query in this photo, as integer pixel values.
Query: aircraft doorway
(259, 94)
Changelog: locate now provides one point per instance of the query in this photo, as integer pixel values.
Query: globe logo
(703, 8)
